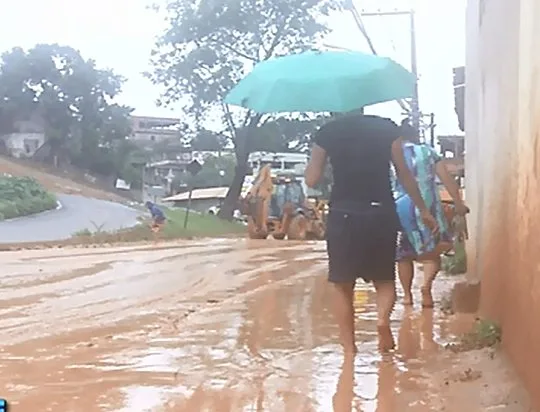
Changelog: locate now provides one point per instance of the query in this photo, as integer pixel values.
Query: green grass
(199, 225)
(485, 334)
(457, 263)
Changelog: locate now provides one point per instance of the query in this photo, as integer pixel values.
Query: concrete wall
(503, 172)
(24, 144)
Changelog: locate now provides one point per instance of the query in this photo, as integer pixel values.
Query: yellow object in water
(360, 299)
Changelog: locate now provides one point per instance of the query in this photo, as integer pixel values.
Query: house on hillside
(202, 155)
(147, 131)
(26, 138)
(158, 176)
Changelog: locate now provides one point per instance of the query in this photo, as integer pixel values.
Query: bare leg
(386, 297)
(431, 268)
(155, 232)
(406, 275)
(344, 314)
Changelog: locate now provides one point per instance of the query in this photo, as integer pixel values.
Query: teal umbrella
(330, 81)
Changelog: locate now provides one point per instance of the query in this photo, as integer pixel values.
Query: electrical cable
(358, 20)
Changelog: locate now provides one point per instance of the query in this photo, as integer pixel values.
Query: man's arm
(405, 176)
(315, 167)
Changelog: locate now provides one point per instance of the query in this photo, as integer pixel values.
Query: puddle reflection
(264, 341)
(276, 351)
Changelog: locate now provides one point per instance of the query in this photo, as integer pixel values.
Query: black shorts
(362, 244)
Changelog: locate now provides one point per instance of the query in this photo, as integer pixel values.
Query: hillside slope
(58, 182)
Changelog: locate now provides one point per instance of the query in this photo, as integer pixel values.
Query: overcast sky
(120, 34)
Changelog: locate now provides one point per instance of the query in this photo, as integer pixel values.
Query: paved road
(77, 213)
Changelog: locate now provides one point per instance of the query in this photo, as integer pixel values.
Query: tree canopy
(207, 140)
(72, 100)
(216, 171)
(210, 45)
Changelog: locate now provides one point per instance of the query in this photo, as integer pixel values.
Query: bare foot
(386, 339)
(407, 300)
(427, 298)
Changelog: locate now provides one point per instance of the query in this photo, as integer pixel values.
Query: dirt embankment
(55, 182)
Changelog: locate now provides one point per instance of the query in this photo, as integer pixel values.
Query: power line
(414, 111)
(360, 24)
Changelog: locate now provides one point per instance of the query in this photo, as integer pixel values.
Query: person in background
(362, 223)
(416, 240)
(158, 217)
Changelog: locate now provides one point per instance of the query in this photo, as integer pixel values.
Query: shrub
(23, 196)
(456, 264)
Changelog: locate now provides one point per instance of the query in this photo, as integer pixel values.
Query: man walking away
(362, 224)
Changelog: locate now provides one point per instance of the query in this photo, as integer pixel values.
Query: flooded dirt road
(223, 326)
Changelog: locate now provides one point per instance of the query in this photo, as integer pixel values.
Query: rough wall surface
(503, 172)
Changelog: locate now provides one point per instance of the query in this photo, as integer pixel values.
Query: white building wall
(24, 144)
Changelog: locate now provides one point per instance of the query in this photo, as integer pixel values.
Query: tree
(216, 172)
(207, 140)
(208, 47)
(285, 134)
(17, 99)
(71, 96)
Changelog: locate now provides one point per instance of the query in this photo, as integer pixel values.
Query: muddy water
(220, 326)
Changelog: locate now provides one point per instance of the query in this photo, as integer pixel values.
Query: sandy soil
(221, 325)
(55, 183)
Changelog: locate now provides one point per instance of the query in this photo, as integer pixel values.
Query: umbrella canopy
(330, 81)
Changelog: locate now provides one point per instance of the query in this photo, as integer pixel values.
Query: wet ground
(221, 326)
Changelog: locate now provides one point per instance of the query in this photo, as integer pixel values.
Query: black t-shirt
(359, 148)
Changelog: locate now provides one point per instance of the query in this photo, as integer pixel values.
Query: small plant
(456, 264)
(485, 334)
(488, 332)
(97, 228)
(23, 196)
(82, 233)
(446, 305)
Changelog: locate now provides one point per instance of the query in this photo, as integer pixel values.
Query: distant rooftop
(200, 194)
(148, 122)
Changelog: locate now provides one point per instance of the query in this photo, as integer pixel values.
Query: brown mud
(222, 325)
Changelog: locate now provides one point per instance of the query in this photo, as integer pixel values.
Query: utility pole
(414, 69)
(358, 20)
(415, 106)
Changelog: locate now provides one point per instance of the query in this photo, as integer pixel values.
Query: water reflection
(408, 336)
(268, 344)
(416, 334)
(428, 341)
(342, 401)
